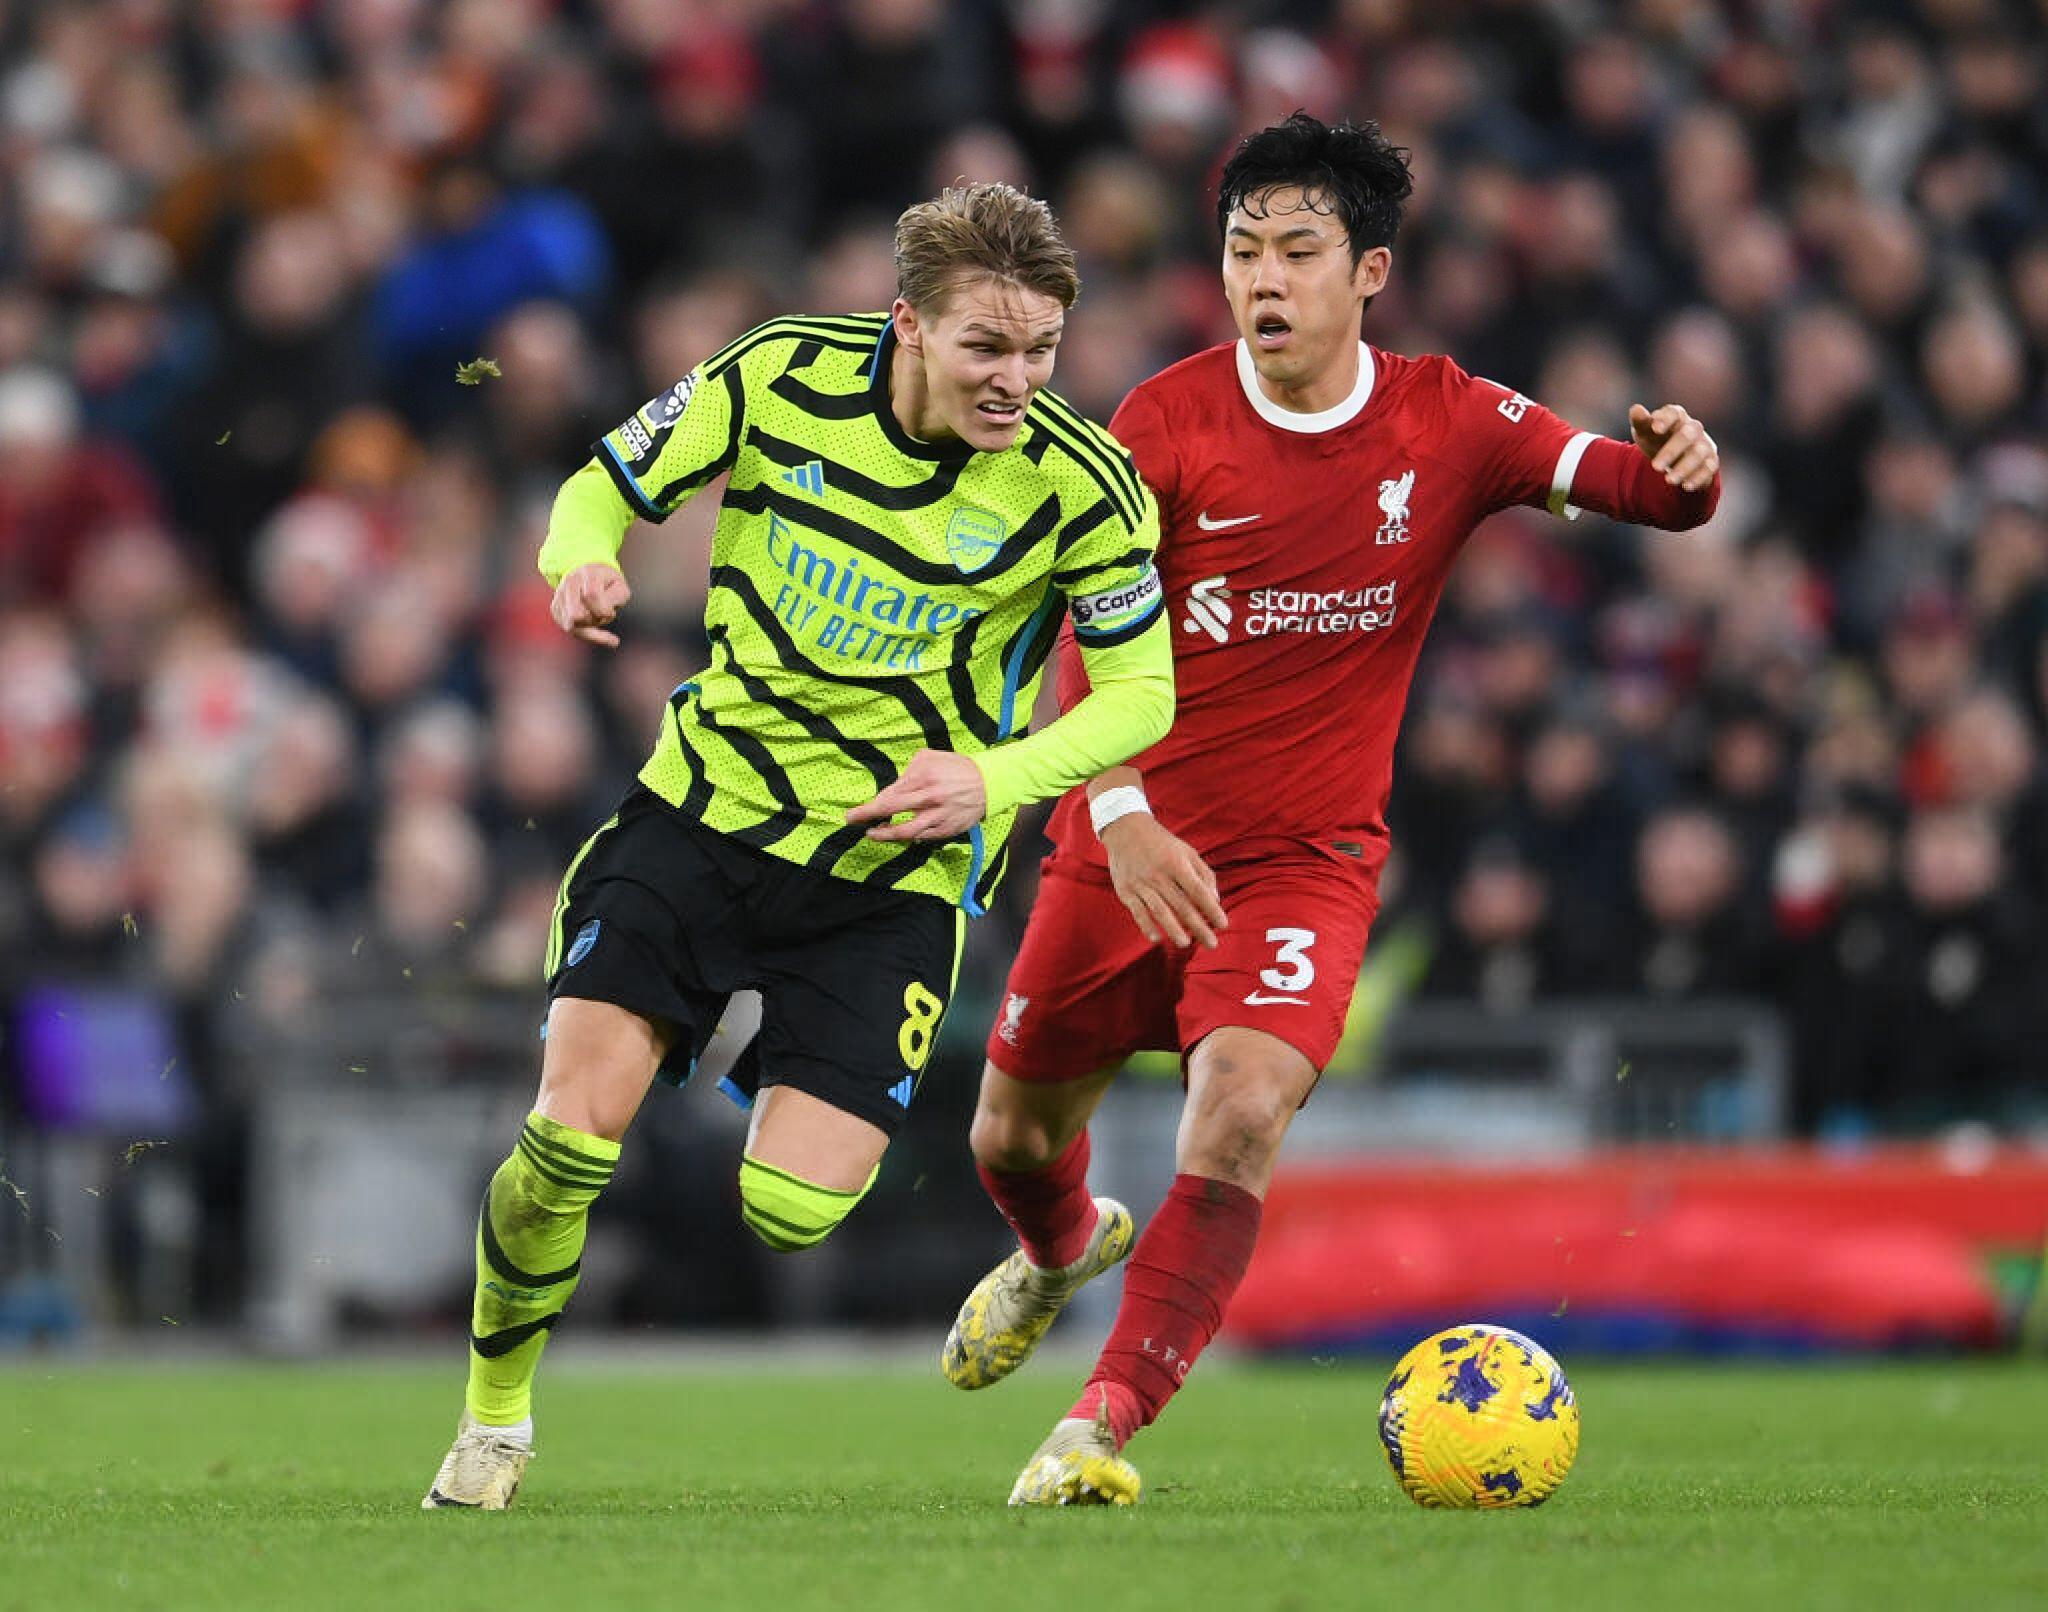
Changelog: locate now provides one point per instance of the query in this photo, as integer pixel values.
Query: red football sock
(1049, 1209)
(1176, 1288)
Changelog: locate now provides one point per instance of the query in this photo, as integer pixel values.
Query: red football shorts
(1088, 989)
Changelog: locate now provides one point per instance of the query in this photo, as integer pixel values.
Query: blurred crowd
(283, 721)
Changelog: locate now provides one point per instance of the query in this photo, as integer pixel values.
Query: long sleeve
(586, 525)
(1615, 479)
(650, 464)
(1528, 455)
(1128, 708)
(1116, 608)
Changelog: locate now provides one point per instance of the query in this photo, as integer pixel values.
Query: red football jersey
(1303, 557)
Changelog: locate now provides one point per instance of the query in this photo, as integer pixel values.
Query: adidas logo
(902, 1089)
(807, 477)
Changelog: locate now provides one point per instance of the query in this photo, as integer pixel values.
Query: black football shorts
(667, 919)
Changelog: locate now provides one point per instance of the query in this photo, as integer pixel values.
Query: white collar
(1309, 424)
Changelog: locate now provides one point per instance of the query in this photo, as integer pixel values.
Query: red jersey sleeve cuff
(1615, 479)
(1567, 469)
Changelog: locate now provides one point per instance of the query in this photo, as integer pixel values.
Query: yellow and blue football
(1479, 1416)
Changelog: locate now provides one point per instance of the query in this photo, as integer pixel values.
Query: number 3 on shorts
(1293, 970)
(922, 1013)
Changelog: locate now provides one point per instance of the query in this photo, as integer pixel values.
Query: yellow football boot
(1011, 1307)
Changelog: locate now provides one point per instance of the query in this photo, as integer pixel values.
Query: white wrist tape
(1111, 804)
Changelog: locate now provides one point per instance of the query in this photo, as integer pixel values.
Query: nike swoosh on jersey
(1260, 999)
(1202, 520)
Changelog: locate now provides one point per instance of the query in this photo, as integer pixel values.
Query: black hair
(1349, 169)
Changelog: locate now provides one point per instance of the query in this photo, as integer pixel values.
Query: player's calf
(811, 1158)
(529, 1248)
(789, 1213)
(1023, 1126)
(529, 1253)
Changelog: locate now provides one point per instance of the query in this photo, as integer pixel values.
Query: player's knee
(1245, 1118)
(597, 1062)
(1002, 1140)
(789, 1213)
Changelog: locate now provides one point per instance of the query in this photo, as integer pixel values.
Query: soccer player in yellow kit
(908, 518)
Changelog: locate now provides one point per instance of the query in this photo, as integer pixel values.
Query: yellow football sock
(529, 1247)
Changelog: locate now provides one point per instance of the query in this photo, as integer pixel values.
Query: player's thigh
(597, 1064)
(624, 981)
(1244, 1087)
(813, 1139)
(852, 1006)
(1289, 961)
(1026, 1124)
(1086, 988)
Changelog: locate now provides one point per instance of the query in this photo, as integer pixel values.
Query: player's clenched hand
(588, 598)
(942, 790)
(1168, 888)
(1677, 445)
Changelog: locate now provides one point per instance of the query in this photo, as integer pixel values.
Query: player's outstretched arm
(1670, 477)
(580, 557)
(1162, 880)
(656, 460)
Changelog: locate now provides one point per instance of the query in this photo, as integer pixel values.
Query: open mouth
(1270, 330)
(997, 412)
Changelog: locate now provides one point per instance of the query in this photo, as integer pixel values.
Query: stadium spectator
(290, 358)
(429, 886)
(485, 251)
(82, 884)
(1963, 1016)
(540, 781)
(1576, 824)
(46, 738)
(1502, 950)
(306, 817)
(1693, 936)
(1747, 772)
(58, 493)
(1459, 774)
(131, 584)
(433, 753)
(1841, 944)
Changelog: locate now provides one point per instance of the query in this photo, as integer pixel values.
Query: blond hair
(993, 230)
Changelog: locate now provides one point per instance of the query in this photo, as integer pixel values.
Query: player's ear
(1369, 278)
(909, 333)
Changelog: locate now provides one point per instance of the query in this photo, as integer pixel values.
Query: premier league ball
(1479, 1416)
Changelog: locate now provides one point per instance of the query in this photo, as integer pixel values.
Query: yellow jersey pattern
(871, 594)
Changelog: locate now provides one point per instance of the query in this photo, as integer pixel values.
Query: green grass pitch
(1746, 1487)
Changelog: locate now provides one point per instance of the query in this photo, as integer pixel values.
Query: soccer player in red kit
(1314, 492)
